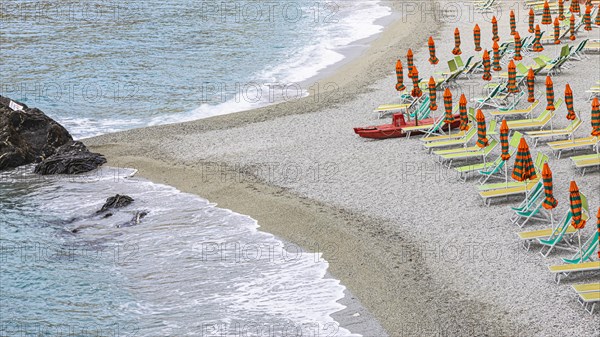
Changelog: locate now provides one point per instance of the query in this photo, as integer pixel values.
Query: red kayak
(394, 130)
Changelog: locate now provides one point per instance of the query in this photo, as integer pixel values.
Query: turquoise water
(188, 269)
(103, 66)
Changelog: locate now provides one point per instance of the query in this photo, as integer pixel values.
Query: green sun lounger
(589, 248)
(556, 241)
(528, 237)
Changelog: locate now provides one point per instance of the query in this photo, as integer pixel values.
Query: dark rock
(136, 220)
(72, 158)
(28, 135)
(118, 201)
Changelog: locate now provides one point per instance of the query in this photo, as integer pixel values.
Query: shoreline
(354, 76)
(403, 234)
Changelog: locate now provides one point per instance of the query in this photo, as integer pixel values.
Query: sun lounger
(530, 236)
(527, 203)
(586, 287)
(520, 112)
(452, 142)
(534, 210)
(589, 248)
(570, 144)
(538, 122)
(586, 161)
(507, 192)
(497, 170)
(556, 241)
(587, 295)
(481, 153)
(565, 270)
(589, 300)
(567, 131)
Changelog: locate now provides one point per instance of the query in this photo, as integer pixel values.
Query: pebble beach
(417, 249)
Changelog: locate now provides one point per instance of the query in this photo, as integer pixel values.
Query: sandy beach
(412, 243)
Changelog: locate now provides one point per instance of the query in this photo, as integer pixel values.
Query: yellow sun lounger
(586, 161)
(570, 144)
(587, 287)
(507, 192)
(530, 236)
(522, 112)
(567, 131)
(589, 300)
(567, 269)
(538, 122)
(390, 108)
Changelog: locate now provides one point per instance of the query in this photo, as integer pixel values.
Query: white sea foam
(351, 22)
(191, 266)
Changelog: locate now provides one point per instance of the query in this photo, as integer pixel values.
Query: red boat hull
(385, 131)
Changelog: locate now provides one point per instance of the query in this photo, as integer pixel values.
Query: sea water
(103, 66)
(188, 268)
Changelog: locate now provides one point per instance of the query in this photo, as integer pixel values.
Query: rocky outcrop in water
(29, 136)
(72, 158)
(118, 201)
(136, 220)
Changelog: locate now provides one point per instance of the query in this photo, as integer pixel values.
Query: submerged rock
(29, 136)
(118, 201)
(72, 158)
(136, 220)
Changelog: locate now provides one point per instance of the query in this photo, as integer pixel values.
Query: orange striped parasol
(448, 119)
(513, 23)
(416, 91)
(477, 37)
(409, 60)
(399, 76)
(487, 75)
(598, 223)
(575, 9)
(569, 101)
(572, 28)
(462, 108)
(537, 45)
(456, 50)
(495, 29)
(549, 202)
(432, 58)
(496, 62)
(504, 140)
(546, 18)
(482, 140)
(512, 78)
(587, 18)
(549, 93)
(518, 46)
(432, 94)
(523, 169)
(531, 20)
(577, 220)
(561, 10)
(556, 31)
(595, 117)
(530, 86)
